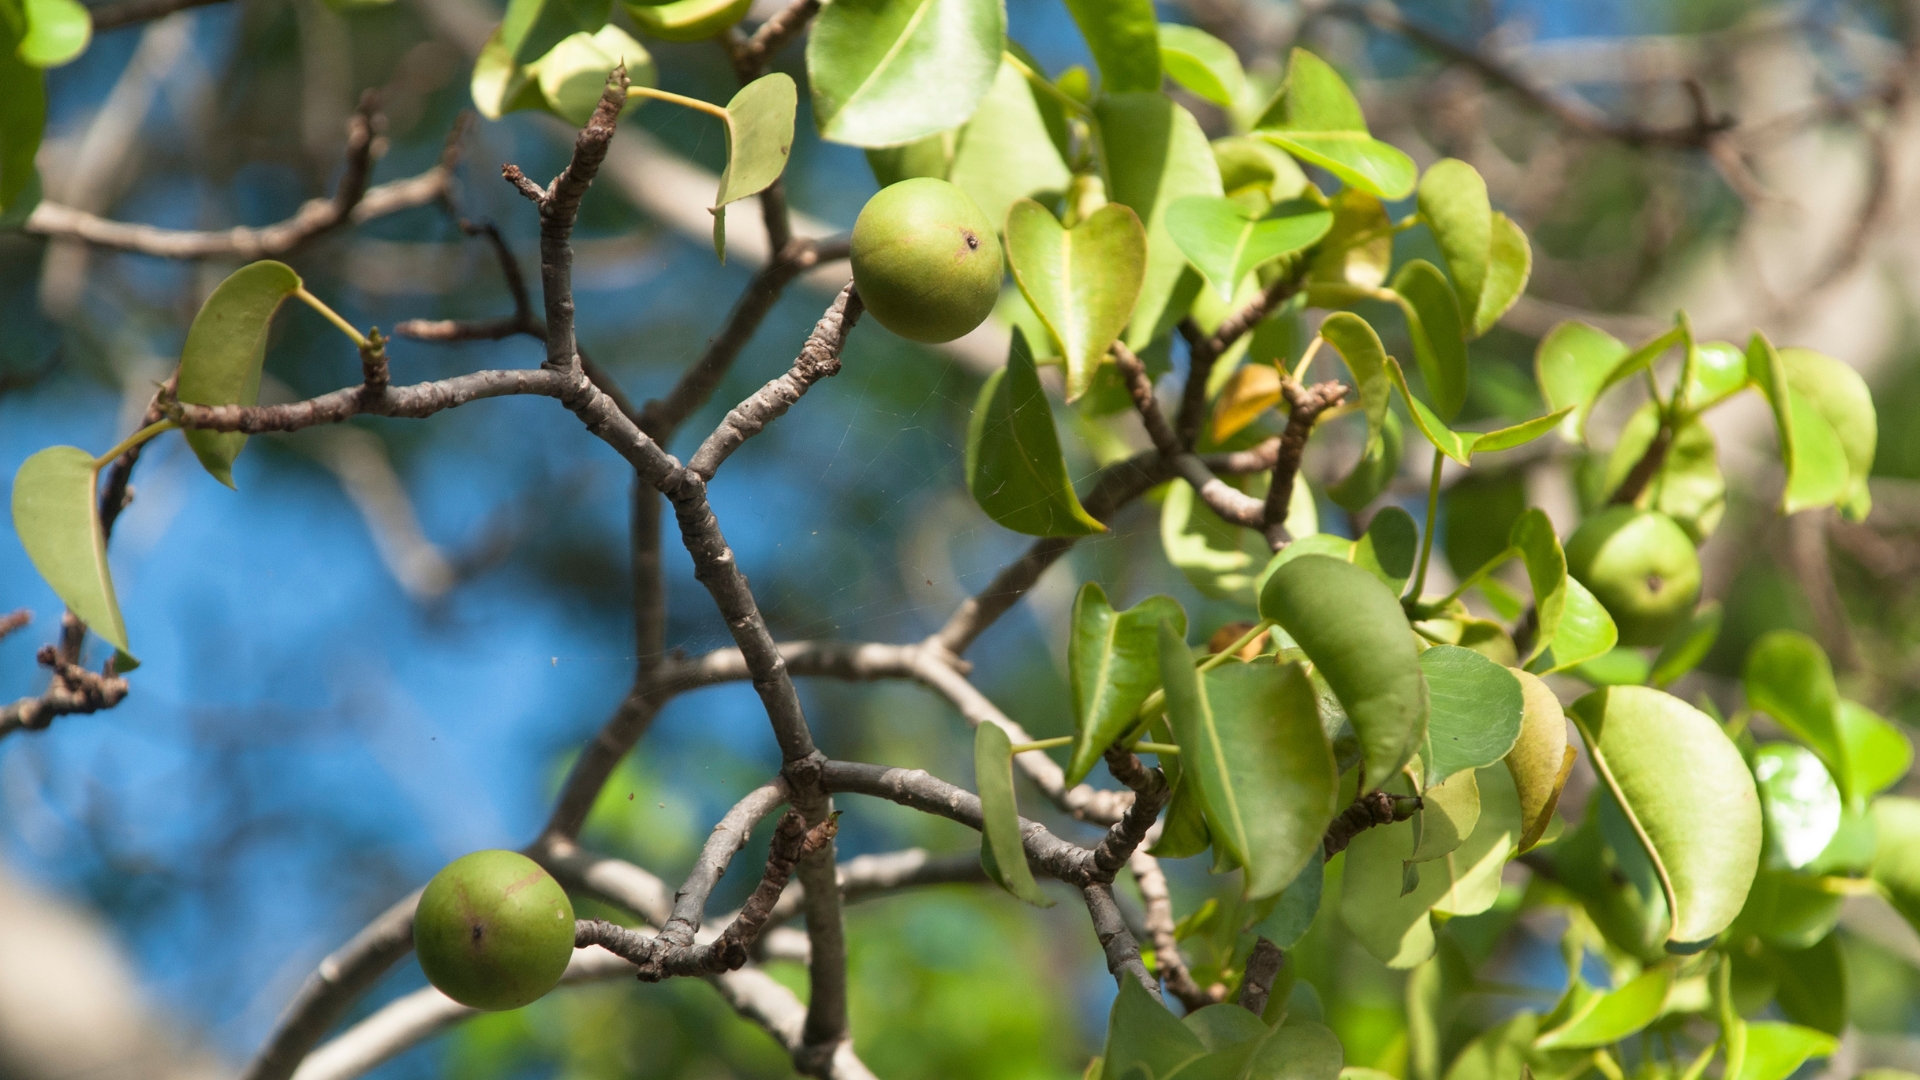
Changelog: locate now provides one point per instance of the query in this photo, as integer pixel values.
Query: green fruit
(926, 260)
(1642, 568)
(493, 930)
(686, 20)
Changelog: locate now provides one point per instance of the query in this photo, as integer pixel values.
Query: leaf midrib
(886, 61)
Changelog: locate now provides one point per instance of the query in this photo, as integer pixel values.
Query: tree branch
(1262, 968)
(1366, 811)
(1305, 404)
(73, 691)
(1123, 952)
(1234, 506)
(1168, 963)
(131, 12)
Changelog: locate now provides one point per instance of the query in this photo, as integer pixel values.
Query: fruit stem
(682, 100)
(1426, 533)
(1043, 744)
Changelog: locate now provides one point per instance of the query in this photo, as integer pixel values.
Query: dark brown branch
(753, 55)
(132, 12)
(14, 621)
(522, 321)
(1123, 952)
(1203, 350)
(819, 359)
(1370, 809)
(662, 957)
(1645, 469)
(73, 691)
(726, 840)
(1262, 968)
(1232, 505)
(1305, 405)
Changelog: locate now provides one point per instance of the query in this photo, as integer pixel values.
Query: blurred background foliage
(318, 727)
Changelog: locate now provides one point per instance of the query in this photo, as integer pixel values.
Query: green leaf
(1570, 621)
(1124, 38)
(500, 85)
(1154, 154)
(573, 74)
(1393, 926)
(23, 116)
(1014, 467)
(1113, 662)
(1800, 802)
(1540, 760)
(1374, 472)
(1623, 666)
(1576, 363)
(1142, 1034)
(1083, 282)
(226, 346)
(1353, 630)
(1223, 1025)
(531, 28)
(1222, 560)
(931, 156)
(1006, 153)
(1788, 909)
(1439, 341)
(1688, 487)
(1317, 119)
(1498, 1053)
(1298, 1050)
(1366, 359)
(56, 514)
(1388, 548)
(1351, 262)
(1448, 812)
(1225, 241)
(887, 72)
(686, 20)
(1818, 469)
(1812, 984)
(1688, 646)
(1453, 202)
(1718, 371)
(57, 31)
(1474, 710)
(1878, 754)
(1776, 1051)
(759, 139)
(1250, 734)
(1002, 852)
(1616, 885)
(1519, 434)
(1480, 510)
(1444, 439)
(1509, 265)
(1203, 64)
(1839, 395)
(1788, 677)
(1252, 167)
(1896, 857)
(1612, 1016)
(1687, 791)
(1296, 907)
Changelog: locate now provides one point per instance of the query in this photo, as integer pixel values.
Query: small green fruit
(926, 260)
(1642, 568)
(493, 930)
(686, 20)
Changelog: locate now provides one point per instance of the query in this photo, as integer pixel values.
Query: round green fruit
(1643, 569)
(686, 20)
(926, 260)
(493, 930)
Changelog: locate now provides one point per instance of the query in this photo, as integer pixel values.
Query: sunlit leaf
(1453, 203)
(1225, 241)
(1002, 852)
(1570, 621)
(1317, 119)
(1353, 630)
(886, 72)
(1203, 64)
(1788, 677)
(1612, 1016)
(1124, 39)
(57, 31)
(1878, 753)
(1576, 363)
(56, 514)
(1143, 1035)
(1154, 154)
(1775, 1051)
(1540, 760)
(1448, 812)
(1896, 859)
(573, 74)
(1222, 560)
(1688, 792)
(686, 20)
(759, 139)
(1473, 713)
(1498, 1053)
(1444, 439)
(531, 28)
(1509, 265)
(1818, 469)
(1113, 662)
(1014, 467)
(1006, 152)
(1688, 487)
(1799, 800)
(1719, 371)
(226, 346)
(1839, 395)
(1250, 734)
(1439, 340)
(1250, 391)
(1082, 282)
(1688, 646)
(1351, 261)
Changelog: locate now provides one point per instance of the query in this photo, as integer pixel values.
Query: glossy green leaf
(1002, 852)
(1718, 371)
(1576, 363)
(1203, 64)
(1612, 1016)
(1225, 241)
(1800, 802)
(1123, 36)
(1439, 340)
(1142, 1034)
(226, 346)
(887, 72)
(1317, 119)
(573, 74)
(1540, 760)
(1688, 646)
(759, 139)
(1250, 734)
(1453, 202)
(1839, 395)
(1688, 487)
(1082, 282)
(1498, 1053)
(1688, 793)
(1222, 560)
(1113, 663)
(531, 28)
(1353, 630)
(1480, 511)
(1776, 1051)
(1389, 547)
(1155, 154)
(1617, 886)
(56, 514)
(1448, 812)
(1788, 910)
(1352, 260)
(1788, 677)
(57, 31)
(1394, 926)
(500, 84)
(1251, 167)
(1473, 713)
(1878, 753)
(1896, 857)
(1449, 442)
(23, 117)
(1296, 907)
(1818, 470)
(1570, 621)
(1006, 152)
(1520, 434)
(1014, 467)
(1623, 666)
(1509, 265)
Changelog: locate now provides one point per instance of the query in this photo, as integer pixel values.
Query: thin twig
(1305, 404)
(819, 359)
